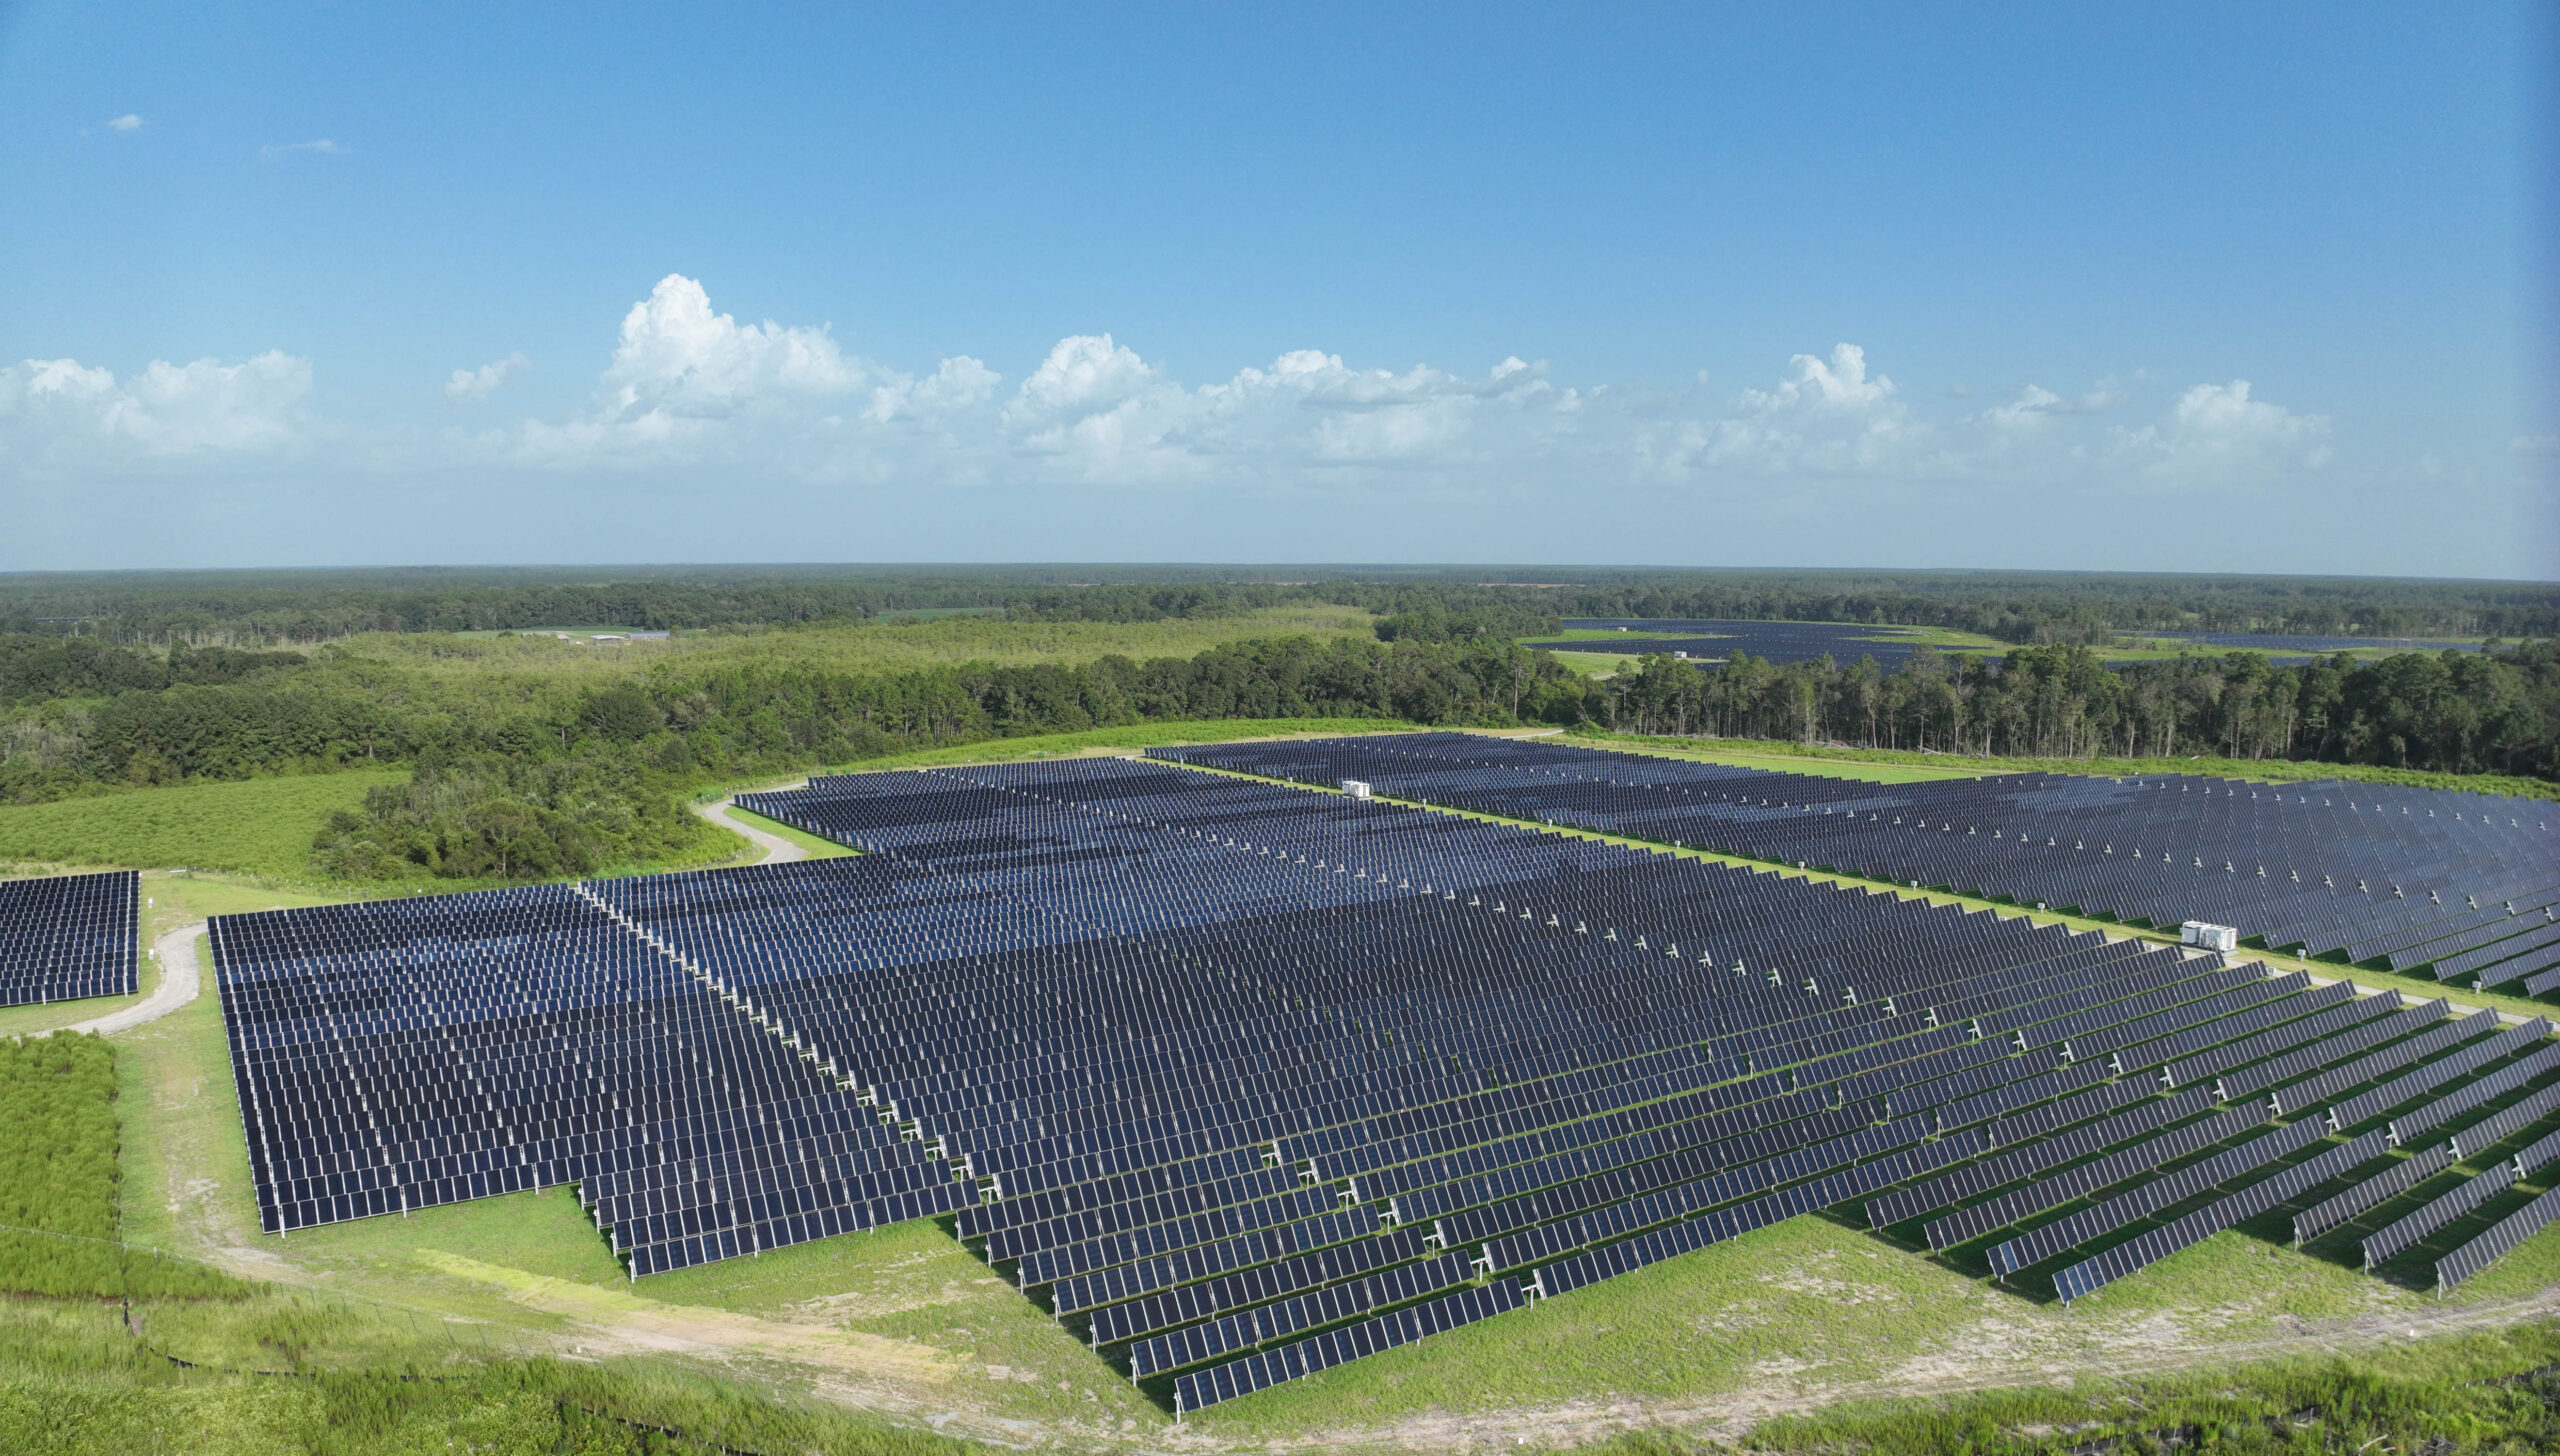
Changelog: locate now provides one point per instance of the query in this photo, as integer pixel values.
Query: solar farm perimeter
(1244, 1082)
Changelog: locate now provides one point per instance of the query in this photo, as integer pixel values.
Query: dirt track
(777, 850)
(179, 981)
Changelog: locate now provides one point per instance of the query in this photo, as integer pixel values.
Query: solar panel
(2148, 1248)
(2383, 1244)
(2399, 1178)
(2496, 1242)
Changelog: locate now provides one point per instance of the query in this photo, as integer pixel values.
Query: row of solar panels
(2468, 884)
(69, 937)
(1891, 647)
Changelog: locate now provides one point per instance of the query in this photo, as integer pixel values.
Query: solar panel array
(69, 937)
(2468, 884)
(1252, 1081)
(1712, 640)
(1708, 641)
(2279, 642)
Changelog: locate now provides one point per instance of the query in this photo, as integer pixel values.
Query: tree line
(287, 608)
(2450, 712)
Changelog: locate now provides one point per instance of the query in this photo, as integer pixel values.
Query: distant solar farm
(1708, 642)
(1247, 1081)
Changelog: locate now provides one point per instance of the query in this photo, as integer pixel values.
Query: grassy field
(1598, 664)
(548, 665)
(256, 826)
(110, 1347)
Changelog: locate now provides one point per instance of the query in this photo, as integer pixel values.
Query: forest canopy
(533, 762)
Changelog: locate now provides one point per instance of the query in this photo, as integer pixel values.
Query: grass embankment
(2467, 1393)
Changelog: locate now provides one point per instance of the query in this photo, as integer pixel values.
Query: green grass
(545, 667)
(41, 1016)
(256, 826)
(1598, 664)
(810, 844)
(79, 1381)
(2471, 1392)
(1810, 1306)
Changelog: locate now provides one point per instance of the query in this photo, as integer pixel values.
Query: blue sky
(2141, 287)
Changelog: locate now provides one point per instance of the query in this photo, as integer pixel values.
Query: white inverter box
(1355, 788)
(2210, 936)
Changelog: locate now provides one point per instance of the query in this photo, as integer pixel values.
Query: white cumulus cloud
(2216, 433)
(1825, 417)
(62, 412)
(470, 386)
(679, 358)
(127, 122)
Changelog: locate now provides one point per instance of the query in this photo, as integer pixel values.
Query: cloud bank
(691, 394)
